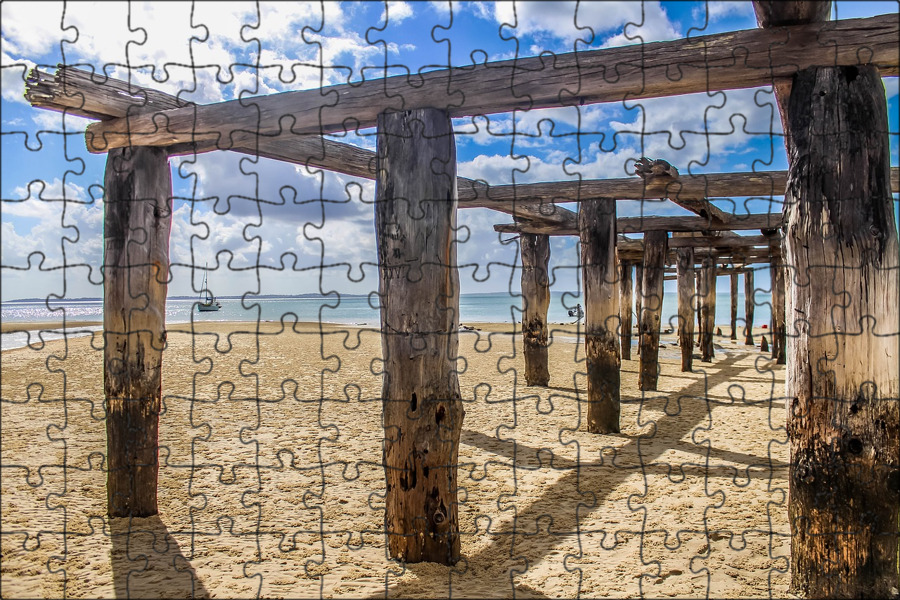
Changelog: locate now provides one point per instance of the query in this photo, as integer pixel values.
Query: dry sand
(271, 484)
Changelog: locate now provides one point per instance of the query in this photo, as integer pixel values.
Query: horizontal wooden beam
(734, 60)
(705, 241)
(641, 224)
(82, 93)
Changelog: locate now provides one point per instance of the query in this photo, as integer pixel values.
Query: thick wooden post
(638, 299)
(734, 303)
(626, 285)
(778, 332)
(597, 226)
(749, 306)
(843, 376)
(137, 222)
(685, 268)
(536, 297)
(654, 270)
(415, 217)
(707, 291)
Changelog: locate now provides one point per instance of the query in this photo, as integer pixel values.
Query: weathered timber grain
(655, 223)
(688, 188)
(638, 296)
(597, 219)
(626, 303)
(704, 241)
(137, 222)
(778, 331)
(707, 292)
(703, 63)
(415, 218)
(536, 299)
(734, 302)
(686, 295)
(82, 93)
(843, 368)
(749, 307)
(94, 96)
(652, 288)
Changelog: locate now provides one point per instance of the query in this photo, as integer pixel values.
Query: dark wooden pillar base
(415, 217)
(685, 268)
(626, 285)
(654, 271)
(707, 291)
(536, 299)
(137, 222)
(749, 306)
(843, 375)
(597, 224)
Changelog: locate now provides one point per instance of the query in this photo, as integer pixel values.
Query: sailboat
(207, 301)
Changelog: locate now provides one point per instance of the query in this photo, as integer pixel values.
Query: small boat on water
(576, 312)
(208, 302)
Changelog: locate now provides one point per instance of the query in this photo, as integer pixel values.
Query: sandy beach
(271, 481)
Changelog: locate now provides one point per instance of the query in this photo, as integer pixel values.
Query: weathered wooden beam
(704, 64)
(686, 300)
(704, 241)
(707, 292)
(652, 287)
(94, 96)
(626, 302)
(597, 219)
(685, 189)
(415, 219)
(742, 256)
(749, 307)
(536, 299)
(655, 223)
(137, 222)
(843, 311)
(82, 93)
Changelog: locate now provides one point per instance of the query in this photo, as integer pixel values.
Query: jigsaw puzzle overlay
(236, 320)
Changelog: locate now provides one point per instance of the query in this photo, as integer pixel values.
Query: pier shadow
(147, 562)
(527, 539)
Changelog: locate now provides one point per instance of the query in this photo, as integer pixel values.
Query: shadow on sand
(147, 562)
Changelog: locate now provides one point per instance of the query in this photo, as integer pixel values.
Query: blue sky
(248, 218)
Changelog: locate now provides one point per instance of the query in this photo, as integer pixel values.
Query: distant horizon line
(304, 296)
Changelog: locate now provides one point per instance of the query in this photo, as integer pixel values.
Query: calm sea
(344, 309)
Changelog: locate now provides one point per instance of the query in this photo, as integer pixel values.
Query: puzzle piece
(258, 335)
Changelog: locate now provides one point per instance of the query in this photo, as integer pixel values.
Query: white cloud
(716, 11)
(570, 21)
(397, 12)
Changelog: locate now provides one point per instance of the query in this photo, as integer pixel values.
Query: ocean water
(344, 309)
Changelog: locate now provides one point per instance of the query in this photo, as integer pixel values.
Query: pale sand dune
(282, 496)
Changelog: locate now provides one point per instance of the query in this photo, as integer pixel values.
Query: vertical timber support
(536, 293)
(734, 303)
(685, 268)
(655, 247)
(707, 291)
(137, 223)
(415, 218)
(749, 306)
(597, 226)
(626, 285)
(843, 298)
(638, 298)
(778, 331)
